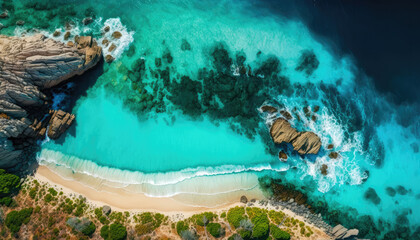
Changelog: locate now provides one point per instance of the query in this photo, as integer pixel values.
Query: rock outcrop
(59, 123)
(303, 142)
(29, 66)
(340, 232)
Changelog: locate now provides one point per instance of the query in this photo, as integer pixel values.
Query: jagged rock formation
(303, 142)
(28, 66)
(59, 123)
(340, 232)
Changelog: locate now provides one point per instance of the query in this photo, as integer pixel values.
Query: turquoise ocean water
(160, 132)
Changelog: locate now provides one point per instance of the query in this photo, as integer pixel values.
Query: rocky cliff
(28, 67)
(303, 142)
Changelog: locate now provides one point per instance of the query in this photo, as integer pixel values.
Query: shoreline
(121, 200)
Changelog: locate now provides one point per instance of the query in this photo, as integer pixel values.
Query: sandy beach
(121, 199)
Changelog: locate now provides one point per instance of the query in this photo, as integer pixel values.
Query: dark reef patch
(372, 196)
(390, 191)
(401, 190)
(308, 62)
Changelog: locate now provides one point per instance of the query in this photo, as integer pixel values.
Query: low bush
(278, 234)
(203, 218)
(215, 229)
(261, 222)
(115, 231)
(235, 215)
(181, 226)
(142, 229)
(276, 217)
(89, 229)
(15, 219)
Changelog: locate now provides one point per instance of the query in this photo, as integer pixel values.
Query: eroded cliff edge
(28, 67)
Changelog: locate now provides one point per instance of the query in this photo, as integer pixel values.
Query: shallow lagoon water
(377, 141)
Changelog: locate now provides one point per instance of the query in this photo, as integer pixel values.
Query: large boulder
(59, 123)
(29, 65)
(281, 131)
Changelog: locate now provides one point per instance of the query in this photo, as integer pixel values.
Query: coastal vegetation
(49, 213)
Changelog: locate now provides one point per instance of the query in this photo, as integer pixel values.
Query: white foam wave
(345, 169)
(122, 43)
(50, 157)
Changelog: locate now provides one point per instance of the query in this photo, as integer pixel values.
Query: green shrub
(98, 212)
(155, 219)
(103, 220)
(79, 211)
(8, 183)
(52, 191)
(261, 223)
(181, 226)
(33, 192)
(37, 209)
(235, 215)
(245, 234)
(142, 229)
(276, 217)
(15, 219)
(214, 229)
(115, 231)
(48, 198)
(89, 229)
(223, 215)
(199, 218)
(278, 234)
(6, 201)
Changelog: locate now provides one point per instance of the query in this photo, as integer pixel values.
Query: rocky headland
(29, 66)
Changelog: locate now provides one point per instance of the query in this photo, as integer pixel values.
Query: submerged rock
(185, 45)
(109, 58)
(333, 155)
(323, 169)
(372, 196)
(29, 65)
(286, 114)
(20, 23)
(308, 62)
(56, 34)
(269, 109)
(87, 21)
(66, 35)
(401, 190)
(390, 191)
(303, 142)
(4, 14)
(330, 146)
(116, 35)
(112, 47)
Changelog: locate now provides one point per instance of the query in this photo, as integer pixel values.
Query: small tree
(15, 219)
(115, 231)
(8, 183)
